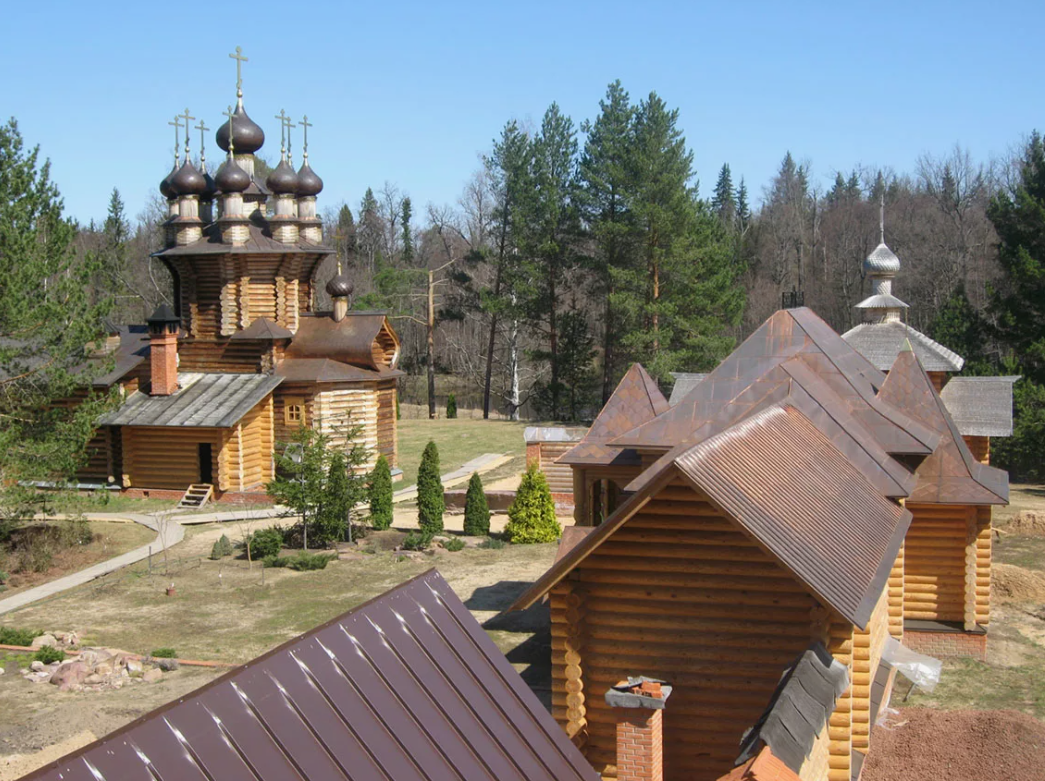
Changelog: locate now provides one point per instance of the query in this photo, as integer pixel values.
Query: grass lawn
(459, 441)
(107, 502)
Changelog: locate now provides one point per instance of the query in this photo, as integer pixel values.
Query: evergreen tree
(606, 175)
(451, 407)
(1023, 454)
(531, 518)
(47, 321)
(408, 238)
(380, 490)
(333, 517)
(959, 327)
(476, 509)
(723, 202)
(743, 208)
(345, 235)
(430, 502)
(577, 351)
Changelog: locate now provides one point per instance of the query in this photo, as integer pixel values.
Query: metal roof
(635, 400)
(882, 301)
(684, 383)
(882, 260)
(263, 329)
(350, 340)
(259, 240)
(202, 400)
(404, 687)
(799, 709)
(785, 484)
(326, 370)
(880, 343)
(951, 474)
(980, 406)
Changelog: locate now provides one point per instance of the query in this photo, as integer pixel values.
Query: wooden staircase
(197, 496)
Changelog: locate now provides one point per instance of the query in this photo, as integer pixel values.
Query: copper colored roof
(263, 329)
(404, 687)
(326, 370)
(764, 767)
(636, 400)
(348, 341)
(787, 486)
(951, 475)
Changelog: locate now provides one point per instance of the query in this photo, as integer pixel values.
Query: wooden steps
(197, 496)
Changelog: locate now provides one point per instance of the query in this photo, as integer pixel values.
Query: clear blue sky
(412, 93)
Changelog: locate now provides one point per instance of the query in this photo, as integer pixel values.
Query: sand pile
(1015, 584)
(969, 745)
(1030, 523)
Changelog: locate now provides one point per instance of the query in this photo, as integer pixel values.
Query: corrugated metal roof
(882, 260)
(980, 406)
(951, 474)
(684, 383)
(407, 686)
(635, 400)
(882, 301)
(880, 343)
(202, 400)
(791, 489)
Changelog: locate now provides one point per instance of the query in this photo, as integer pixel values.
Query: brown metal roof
(259, 241)
(407, 686)
(635, 400)
(263, 329)
(348, 341)
(326, 370)
(951, 474)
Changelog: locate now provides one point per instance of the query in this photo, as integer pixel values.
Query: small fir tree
(476, 509)
(381, 495)
(430, 504)
(332, 518)
(451, 406)
(531, 518)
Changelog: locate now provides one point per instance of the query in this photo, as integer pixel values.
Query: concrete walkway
(483, 463)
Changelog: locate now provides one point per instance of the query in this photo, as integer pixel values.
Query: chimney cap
(163, 316)
(639, 692)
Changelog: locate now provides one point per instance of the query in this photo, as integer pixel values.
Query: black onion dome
(231, 178)
(188, 181)
(248, 136)
(282, 180)
(340, 287)
(165, 185)
(308, 182)
(212, 187)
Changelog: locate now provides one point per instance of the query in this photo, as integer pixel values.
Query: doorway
(206, 467)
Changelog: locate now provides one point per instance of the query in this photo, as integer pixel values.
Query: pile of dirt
(1029, 523)
(1015, 584)
(991, 745)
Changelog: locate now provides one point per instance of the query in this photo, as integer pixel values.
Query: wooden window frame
(291, 403)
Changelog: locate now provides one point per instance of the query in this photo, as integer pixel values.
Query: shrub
(164, 653)
(399, 415)
(48, 654)
(265, 542)
(430, 504)
(380, 490)
(531, 518)
(273, 561)
(454, 544)
(222, 548)
(3, 577)
(451, 407)
(476, 509)
(19, 637)
(304, 561)
(492, 543)
(418, 540)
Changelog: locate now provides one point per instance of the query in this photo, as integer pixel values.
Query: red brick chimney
(163, 351)
(638, 704)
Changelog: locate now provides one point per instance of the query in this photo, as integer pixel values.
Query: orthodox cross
(177, 137)
(203, 157)
(881, 219)
(188, 127)
(240, 59)
(305, 125)
(339, 245)
(282, 117)
(229, 115)
(290, 154)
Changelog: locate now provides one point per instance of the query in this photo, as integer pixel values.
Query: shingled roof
(635, 400)
(787, 486)
(684, 383)
(951, 474)
(880, 343)
(404, 687)
(980, 406)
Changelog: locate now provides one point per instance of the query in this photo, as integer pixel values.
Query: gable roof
(684, 383)
(788, 487)
(747, 378)
(635, 400)
(980, 406)
(880, 343)
(263, 329)
(350, 340)
(202, 400)
(763, 767)
(406, 686)
(951, 474)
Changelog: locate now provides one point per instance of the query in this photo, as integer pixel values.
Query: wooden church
(242, 358)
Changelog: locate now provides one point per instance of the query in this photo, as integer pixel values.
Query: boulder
(152, 675)
(37, 666)
(166, 664)
(69, 674)
(104, 668)
(93, 679)
(134, 666)
(42, 640)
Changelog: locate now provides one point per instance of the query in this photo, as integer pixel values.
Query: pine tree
(47, 320)
(476, 509)
(408, 237)
(430, 502)
(333, 517)
(959, 327)
(723, 202)
(531, 518)
(743, 208)
(380, 494)
(451, 407)
(345, 236)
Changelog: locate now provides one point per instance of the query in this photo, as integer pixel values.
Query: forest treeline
(578, 248)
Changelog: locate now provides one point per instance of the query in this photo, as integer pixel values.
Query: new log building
(242, 358)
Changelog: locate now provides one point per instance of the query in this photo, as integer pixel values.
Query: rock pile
(93, 669)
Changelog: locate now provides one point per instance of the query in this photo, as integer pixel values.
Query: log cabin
(241, 359)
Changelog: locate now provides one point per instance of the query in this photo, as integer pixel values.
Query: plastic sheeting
(923, 671)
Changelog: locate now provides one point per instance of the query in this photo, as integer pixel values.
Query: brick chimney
(163, 351)
(638, 705)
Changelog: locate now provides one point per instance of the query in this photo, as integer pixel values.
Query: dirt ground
(968, 745)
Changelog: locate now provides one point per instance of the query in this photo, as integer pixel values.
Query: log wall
(980, 447)
(867, 653)
(248, 454)
(337, 410)
(839, 642)
(169, 457)
(895, 591)
(677, 593)
(387, 426)
(560, 476)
